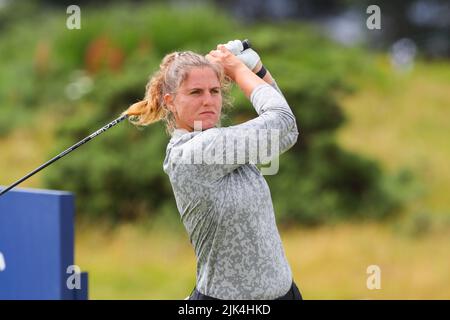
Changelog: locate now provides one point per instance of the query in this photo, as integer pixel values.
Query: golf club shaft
(62, 154)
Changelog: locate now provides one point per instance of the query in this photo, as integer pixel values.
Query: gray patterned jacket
(226, 207)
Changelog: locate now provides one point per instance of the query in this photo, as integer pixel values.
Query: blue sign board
(37, 246)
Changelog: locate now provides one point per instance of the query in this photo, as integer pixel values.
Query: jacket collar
(178, 132)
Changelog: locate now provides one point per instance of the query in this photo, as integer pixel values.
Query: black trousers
(292, 294)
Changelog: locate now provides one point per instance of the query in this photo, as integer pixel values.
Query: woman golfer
(225, 205)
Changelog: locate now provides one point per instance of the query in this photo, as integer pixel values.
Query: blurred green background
(366, 184)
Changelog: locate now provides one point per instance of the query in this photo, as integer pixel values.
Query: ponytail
(152, 108)
(173, 70)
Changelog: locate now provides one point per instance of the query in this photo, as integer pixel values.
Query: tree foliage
(88, 77)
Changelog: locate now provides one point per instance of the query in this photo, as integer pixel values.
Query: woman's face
(199, 98)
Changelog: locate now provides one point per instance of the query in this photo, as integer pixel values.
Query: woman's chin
(208, 124)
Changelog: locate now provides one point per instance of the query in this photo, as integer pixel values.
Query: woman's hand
(248, 56)
(230, 63)
(235, 69)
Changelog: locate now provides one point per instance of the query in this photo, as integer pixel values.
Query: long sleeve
(227, 207)
(217, 151)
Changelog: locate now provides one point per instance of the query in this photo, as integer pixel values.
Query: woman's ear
(168, 101)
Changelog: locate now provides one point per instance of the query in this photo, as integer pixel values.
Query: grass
(135, 262)
(24, 150)
(132, 262)
(331, 263)
(404, 121)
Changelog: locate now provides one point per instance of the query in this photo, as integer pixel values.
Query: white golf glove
(249, 56)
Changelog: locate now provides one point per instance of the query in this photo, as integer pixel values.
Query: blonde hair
(173, 70)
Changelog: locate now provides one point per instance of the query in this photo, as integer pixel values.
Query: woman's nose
(208, 99)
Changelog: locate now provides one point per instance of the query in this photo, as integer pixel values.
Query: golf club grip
(246, 44)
